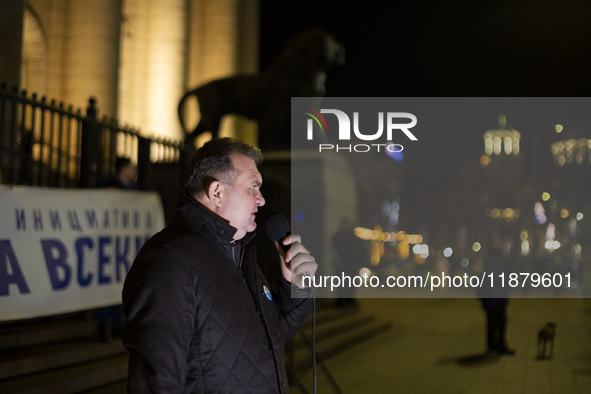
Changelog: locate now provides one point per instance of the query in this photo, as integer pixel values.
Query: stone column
(152, 72)
(248, 59)
(11, 39)
(222, 41)
(165, 66)
(133, 63)
(195, 40)
(91, 58)
(220, 30)
(55, 30)
(248, 36)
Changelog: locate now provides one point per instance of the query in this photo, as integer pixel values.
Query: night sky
(442, 48)
(447, 49)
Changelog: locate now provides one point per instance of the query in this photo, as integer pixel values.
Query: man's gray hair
(213, 162)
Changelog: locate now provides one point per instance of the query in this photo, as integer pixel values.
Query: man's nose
(260, 200)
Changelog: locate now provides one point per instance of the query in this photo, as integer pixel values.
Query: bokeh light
(484, 160)
(564, 213)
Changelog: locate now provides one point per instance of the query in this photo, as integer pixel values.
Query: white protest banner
(63, 250)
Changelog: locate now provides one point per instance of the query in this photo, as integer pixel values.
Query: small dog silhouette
(546, 336)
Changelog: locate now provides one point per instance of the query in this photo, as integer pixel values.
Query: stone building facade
(137, 57)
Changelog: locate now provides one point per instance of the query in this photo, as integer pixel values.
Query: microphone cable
(314, 338)
(277, 228)
(309, 291)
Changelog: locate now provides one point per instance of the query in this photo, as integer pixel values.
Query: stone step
(113, 388)
(73, 379)
(327, 315)
(60, 355)
(330, 329)
(38, 333)
(21, 361)
(340, 342)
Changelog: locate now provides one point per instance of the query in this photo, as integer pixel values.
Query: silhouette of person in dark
(495, 303)
(347, 252)
(124, 178)
(110, 318)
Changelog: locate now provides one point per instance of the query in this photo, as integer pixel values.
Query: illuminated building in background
(378, 235)
(136, 57)
(572, 152)
(379, 183)
(502, 163)
(571, 192)
(534, 212)
(400, 240)
(509, 215)
(498, 142)
(540, 212)
(504, 195)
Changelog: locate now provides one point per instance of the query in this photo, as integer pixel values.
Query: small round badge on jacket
(267, 292)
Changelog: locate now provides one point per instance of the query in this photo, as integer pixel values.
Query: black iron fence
(45, 143)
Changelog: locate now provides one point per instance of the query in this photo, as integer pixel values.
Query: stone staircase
(61, 355)
(58, 355)
(336, 331)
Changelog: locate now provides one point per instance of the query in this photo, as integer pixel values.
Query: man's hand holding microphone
(296, 261)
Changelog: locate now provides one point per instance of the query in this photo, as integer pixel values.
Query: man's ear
(216, 191)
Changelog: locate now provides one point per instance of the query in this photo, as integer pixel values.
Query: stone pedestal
(323, 191)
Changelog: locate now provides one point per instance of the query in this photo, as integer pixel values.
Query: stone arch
(34, 55)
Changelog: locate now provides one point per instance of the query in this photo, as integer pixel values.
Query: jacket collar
(201, 219)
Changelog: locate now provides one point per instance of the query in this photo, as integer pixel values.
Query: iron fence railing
(46, 143)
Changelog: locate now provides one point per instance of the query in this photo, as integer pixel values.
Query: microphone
(277, 228)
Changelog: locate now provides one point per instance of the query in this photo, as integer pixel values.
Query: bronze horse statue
(298, 71)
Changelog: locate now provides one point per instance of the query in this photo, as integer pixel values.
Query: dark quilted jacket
(197, 318)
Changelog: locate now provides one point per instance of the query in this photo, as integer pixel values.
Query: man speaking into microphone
(200, 316)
